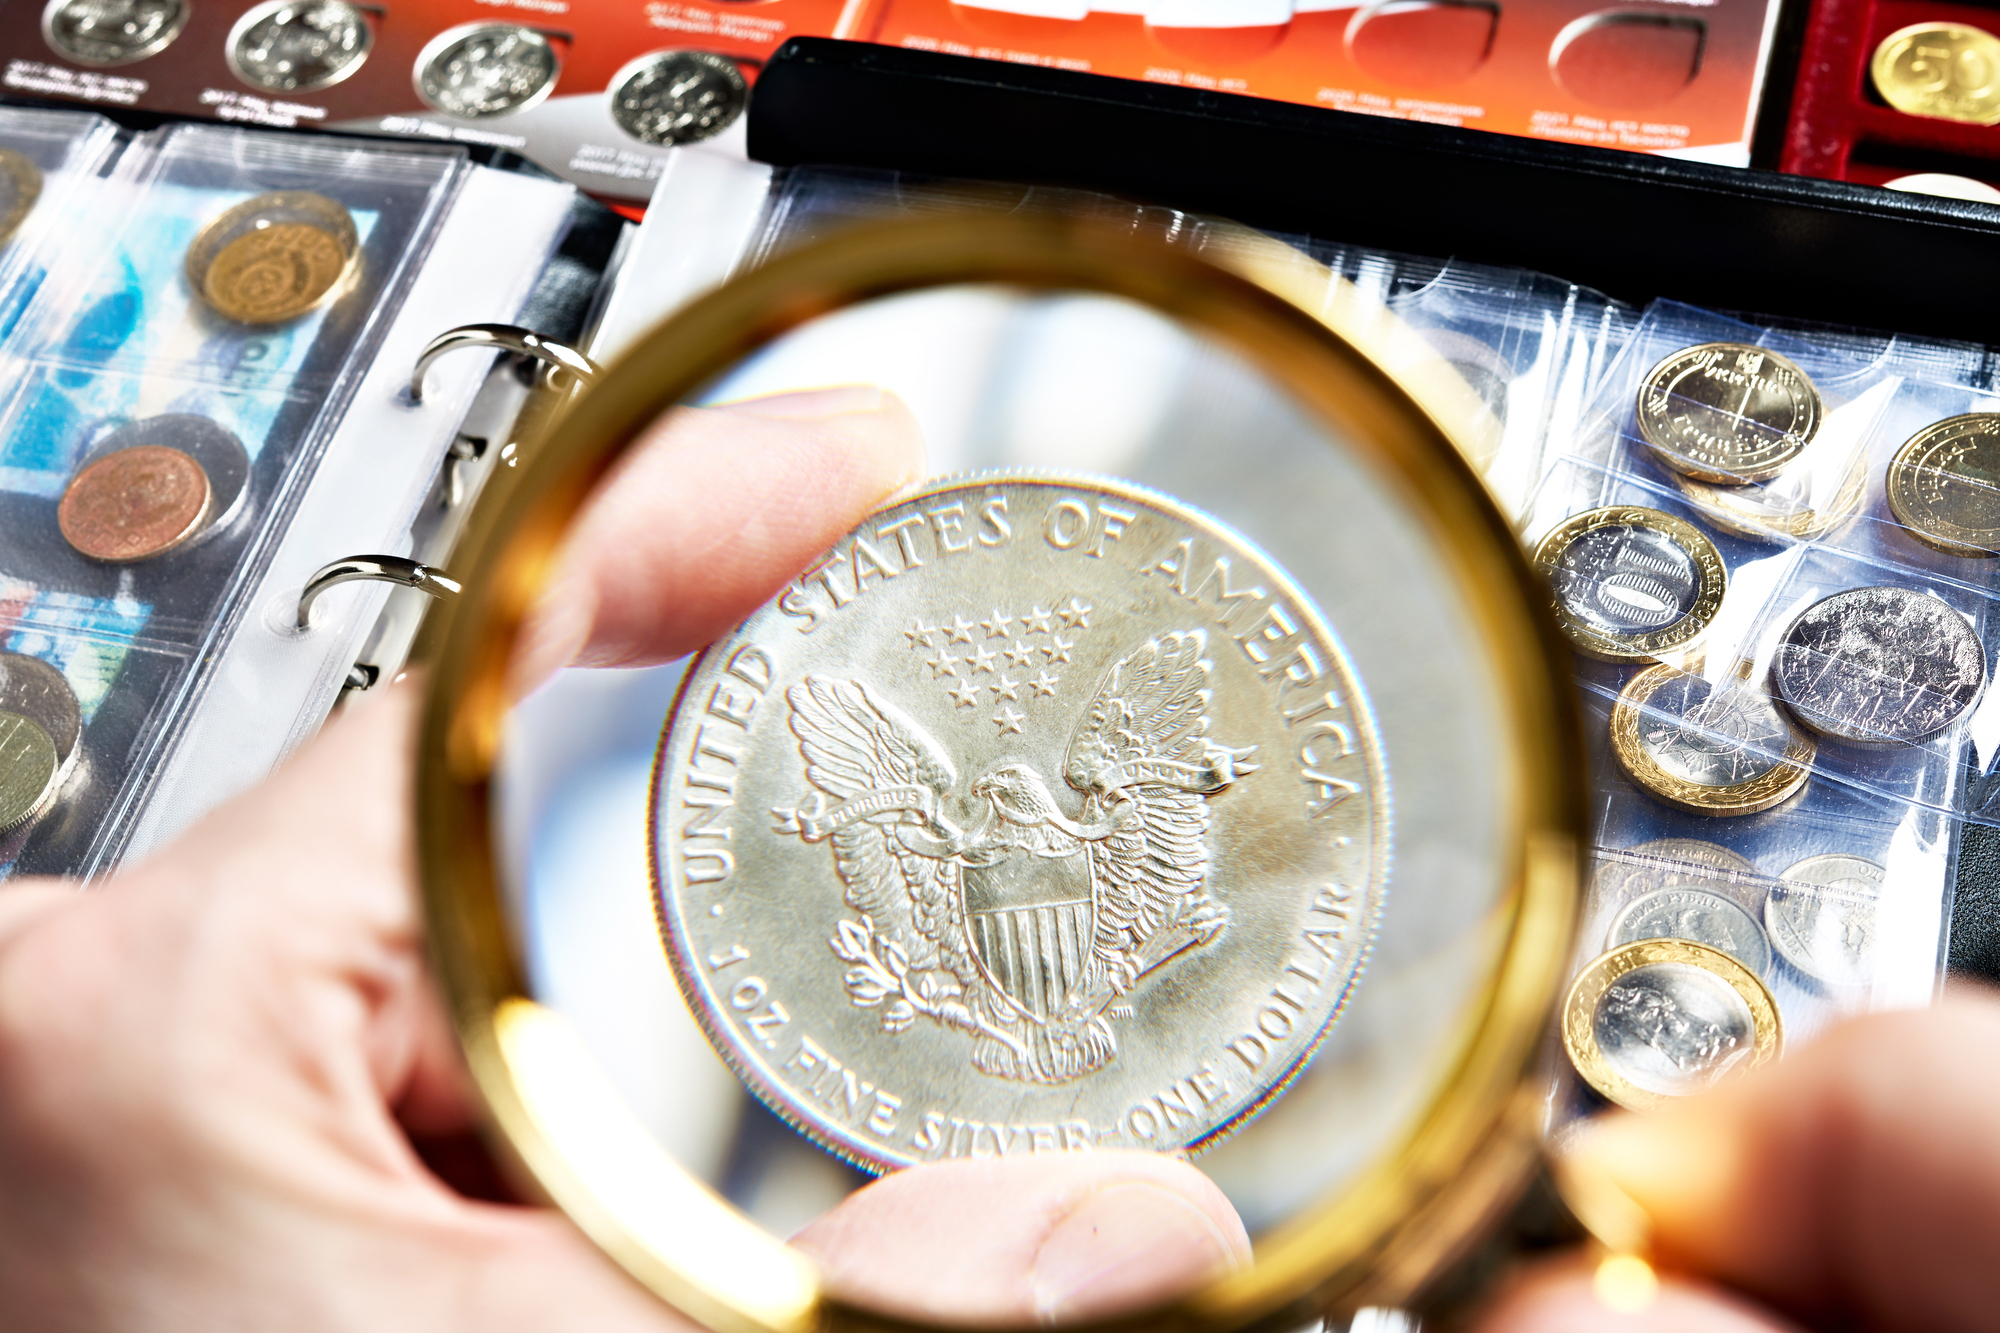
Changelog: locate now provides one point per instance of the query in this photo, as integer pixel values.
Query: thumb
(1033, 1239)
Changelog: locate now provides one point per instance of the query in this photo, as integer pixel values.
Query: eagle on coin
(1028, 930)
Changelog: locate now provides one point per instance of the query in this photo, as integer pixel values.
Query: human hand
(1855, 1185)
(210, 1066)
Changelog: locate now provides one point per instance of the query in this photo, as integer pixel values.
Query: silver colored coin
(1826, 929)
(1003, 830)
(296, 46)
(1690, 914)
(1666, 863)
(1673, 1029)
(1879, 667)
(673, 97)
(1727, 412)
(486, 69)
(112, 32)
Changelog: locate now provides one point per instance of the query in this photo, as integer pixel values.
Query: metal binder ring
(503, 338)
(380, 568)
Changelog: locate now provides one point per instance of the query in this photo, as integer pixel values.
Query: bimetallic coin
(20, 187)
(1945, 70)
(1944, 485)
(1879, 667)
(135, 504)
(1659, 1019)
(1632, 583)
(28, 770)
(485, 69)
(1001, 830)
(273, 257)
(296, 46)
(1760, 514)
(1667, 863)
(1690, 914)
(677, 96)
(1822, 918)
(112, 32)
(1712, 749)
(1727, 412)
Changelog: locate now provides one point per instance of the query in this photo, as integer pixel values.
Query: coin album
(150, 370)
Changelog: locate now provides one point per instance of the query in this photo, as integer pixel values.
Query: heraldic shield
(1031, 919)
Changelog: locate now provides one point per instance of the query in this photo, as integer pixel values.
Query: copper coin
(134, 504)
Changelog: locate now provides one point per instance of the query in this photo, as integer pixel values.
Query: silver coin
(296, 46)
(1673, 1029)
(1690, 914)
(1038, 816)
(112, 32)
(1666, 863)
(1879, 666)
(1826, 929)
(485, 69)
(678, 96)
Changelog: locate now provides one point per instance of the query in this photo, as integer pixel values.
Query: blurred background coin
(1944, 485)
(1821, 918)
(1761, 513)
(135, 504)
(1691, 914)
(678, 96)
(273, 257)
(20, 187)
(1631, 582)
(1710, 748)
(1727, 412)
(485, 69)
(296, 46)
(1950, 71)
(42, 694)
(112, 32)
(28, 769)
(1879, 667)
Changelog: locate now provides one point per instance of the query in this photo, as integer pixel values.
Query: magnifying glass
(1187, 765)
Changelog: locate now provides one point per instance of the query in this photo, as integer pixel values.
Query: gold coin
(1631, 583)
(1659, 1019)
(1720, 748)
(274, 257)
(28, 769)
(1727, 412)
(1946, 70)
(20, 187)
(1944, 485)
(1753, 512)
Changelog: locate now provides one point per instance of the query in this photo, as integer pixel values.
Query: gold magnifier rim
(1377, 1239)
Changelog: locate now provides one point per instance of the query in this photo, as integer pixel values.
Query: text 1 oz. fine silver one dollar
(1039, 815)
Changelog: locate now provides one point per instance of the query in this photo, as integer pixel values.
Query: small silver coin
(112, 32)
(1879, 667)
(297, 46)
(1690, 914)
(486, 69)
(1673, 1029)
(673, 97)
(1822, 918)
(982, 832)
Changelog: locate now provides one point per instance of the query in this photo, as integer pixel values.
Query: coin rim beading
(1873, 740)
(1775, 785)
(1656, 436)
(1644, 646)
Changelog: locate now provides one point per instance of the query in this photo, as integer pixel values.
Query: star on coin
(997, 627)
(1058, 648)
(967, 694)
(919, 634)
(1009, 719)
(1005, 688)
(1036, 621)
(983, 660)
(960, 630)
(1076, 615)
(1020, 655)
(1044, 684)
(944, 664)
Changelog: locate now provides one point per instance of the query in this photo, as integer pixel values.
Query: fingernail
(831, 402)
(1124, 1246)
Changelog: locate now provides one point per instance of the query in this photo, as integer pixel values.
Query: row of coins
(1722, 417)
(1679, 998)
(471, 71)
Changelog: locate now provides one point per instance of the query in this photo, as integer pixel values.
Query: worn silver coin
(112, 32)
(1879, 667)
(671, 97)
(1665, 863)
(1822, 918)
(1690, 914)
(297, 46)
(1040, 815)
(486, 69)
